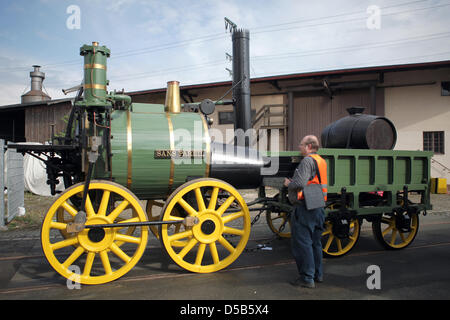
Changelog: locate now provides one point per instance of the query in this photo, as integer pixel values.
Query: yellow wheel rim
(334, 246)
(97, 254)
(392, 237)
(278, 220)
(205, 247)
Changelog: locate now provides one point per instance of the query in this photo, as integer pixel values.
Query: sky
(153, 42)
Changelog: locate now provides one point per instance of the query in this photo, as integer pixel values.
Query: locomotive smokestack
(173, 104)
(241, 75)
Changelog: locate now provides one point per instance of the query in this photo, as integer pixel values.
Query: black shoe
(301, 283)
(318, 279)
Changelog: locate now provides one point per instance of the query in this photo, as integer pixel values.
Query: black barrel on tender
(360, 131)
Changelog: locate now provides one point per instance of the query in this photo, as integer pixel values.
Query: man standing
(307, 225)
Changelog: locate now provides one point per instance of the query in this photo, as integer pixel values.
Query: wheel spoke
(213, 201)
(186, 206)
(64, 243)
(178, 236)
(118, 210)
(89, 261)
(134, 219)
(71, 210)
(104, 203)
(200, 201)
(329, 241)
(127, 238)
(393, 236)
(58, 225)
(386, 220)
(188, 248)
(200, 253)
(327, 231)
(175, 218)
(233, 216)
(105, 261)
(224, 242)
(225, 205)
(386, 231)
(89, 208)
(214, 253)
(119, 252)
(402, 236)
(339, 244)
(234, 231)
(74, 256)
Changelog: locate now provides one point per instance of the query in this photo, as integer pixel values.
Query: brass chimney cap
(173, 104)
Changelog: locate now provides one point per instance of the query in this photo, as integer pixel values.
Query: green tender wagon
(388, 188)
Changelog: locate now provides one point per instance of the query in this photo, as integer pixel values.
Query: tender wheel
(205, 247)
(117, 205)
(279, 223)
(339, 239)
(396, 231)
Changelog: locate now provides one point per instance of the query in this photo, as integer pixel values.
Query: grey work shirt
(305, 171)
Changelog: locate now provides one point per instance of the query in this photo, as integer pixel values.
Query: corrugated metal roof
(296, 76)
(36, 103)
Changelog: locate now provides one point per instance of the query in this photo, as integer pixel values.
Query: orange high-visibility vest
(322, 164)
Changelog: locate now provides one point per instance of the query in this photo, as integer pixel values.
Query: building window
(433, 141)
(445, 88)
(226, 117)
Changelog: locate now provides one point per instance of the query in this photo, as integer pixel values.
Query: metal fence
(11, 177)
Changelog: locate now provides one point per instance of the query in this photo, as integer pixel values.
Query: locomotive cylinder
(95, 80)
(237, 165)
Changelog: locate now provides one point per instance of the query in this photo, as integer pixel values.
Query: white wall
(414, 109)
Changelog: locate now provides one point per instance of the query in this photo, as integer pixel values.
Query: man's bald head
(311, 140)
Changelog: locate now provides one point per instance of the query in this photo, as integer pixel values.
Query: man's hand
(287, 181)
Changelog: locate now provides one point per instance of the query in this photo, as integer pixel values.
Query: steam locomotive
(115, 154)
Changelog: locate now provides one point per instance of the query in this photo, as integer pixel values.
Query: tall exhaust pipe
(241, 79)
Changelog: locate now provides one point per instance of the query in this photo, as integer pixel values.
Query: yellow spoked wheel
(396, 231)
(279, 223)
(82, 249)
(204, 247)
(338, 242)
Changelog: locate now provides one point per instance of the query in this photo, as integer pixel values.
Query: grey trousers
(306, 231)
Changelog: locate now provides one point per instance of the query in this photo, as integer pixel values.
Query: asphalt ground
(419, 272)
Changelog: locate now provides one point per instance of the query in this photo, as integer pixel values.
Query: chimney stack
(35, 94)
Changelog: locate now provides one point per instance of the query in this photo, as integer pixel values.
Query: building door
(313, 111)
